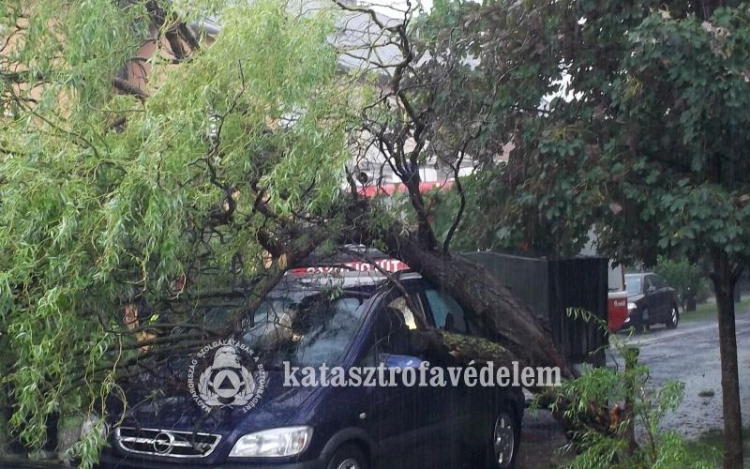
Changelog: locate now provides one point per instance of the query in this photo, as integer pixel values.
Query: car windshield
(633, 283)
(311, 330)
(302, 322)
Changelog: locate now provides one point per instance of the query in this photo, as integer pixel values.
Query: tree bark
(724, 283)
(631, 361)
(510, 322)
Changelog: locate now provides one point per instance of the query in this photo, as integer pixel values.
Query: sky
(393, 7)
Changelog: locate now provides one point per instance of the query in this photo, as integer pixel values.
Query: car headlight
(276, 443)
(632, 306)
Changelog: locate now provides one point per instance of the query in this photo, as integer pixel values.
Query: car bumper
(109, 461)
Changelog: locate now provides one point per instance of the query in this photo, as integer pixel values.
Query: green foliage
(95, 213)
(593, 395)
(690, 124)
(685, 277)
(628, 116)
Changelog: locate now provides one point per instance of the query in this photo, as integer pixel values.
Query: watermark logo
(233, 377)
(418, 373)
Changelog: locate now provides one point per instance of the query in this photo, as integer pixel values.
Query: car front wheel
(674, 317)
(348, 457)
(644, 322)
(506, 436)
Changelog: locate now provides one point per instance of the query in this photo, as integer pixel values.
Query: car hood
(276, 406)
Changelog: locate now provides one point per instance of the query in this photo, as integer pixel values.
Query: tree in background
(688, 279)
(630, 116)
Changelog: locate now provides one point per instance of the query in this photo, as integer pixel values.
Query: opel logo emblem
(163, 443)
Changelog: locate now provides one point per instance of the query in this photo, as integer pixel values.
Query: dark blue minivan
(271, 397)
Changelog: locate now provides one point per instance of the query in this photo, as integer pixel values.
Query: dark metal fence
(551, 286)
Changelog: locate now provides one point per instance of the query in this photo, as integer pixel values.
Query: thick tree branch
(126, 87)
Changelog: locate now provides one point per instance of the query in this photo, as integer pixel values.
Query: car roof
(346, 280)
(638, 274)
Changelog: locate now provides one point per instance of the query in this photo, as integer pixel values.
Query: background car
(650, 301)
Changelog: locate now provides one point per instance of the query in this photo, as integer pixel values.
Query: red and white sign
(371, 190)
(388, 265)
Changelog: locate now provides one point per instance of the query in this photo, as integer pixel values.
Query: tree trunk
(631, 361)
(724, 283)
(510, 322)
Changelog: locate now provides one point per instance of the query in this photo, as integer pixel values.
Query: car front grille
(169, 443)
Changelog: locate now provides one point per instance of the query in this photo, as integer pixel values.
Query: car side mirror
(400, 361)
(651, 289)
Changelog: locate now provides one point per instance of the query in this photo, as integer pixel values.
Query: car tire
(644, 322)
(505, 440)
(674, 317)
(348, 457)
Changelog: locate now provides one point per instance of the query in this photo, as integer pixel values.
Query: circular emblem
(163, 443)
(230, 376)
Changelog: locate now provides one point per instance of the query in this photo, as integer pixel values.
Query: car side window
(403, 308)
(391, 334)
(659, 282)
(447, 313)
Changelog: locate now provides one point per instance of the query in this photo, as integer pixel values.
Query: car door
(663, 298)
(458, 408)
(651, 298)
(401, 422)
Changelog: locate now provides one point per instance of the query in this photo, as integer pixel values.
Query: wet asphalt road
(689, 354)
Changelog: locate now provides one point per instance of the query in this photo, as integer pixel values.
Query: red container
(617, 309)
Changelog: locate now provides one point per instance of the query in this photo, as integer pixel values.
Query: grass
(708, 311)
(710, 446)
(708, 449)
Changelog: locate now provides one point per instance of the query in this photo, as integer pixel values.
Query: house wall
(137, 72)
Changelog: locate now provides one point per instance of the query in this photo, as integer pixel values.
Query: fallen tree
(512, 324)
(129, 193)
